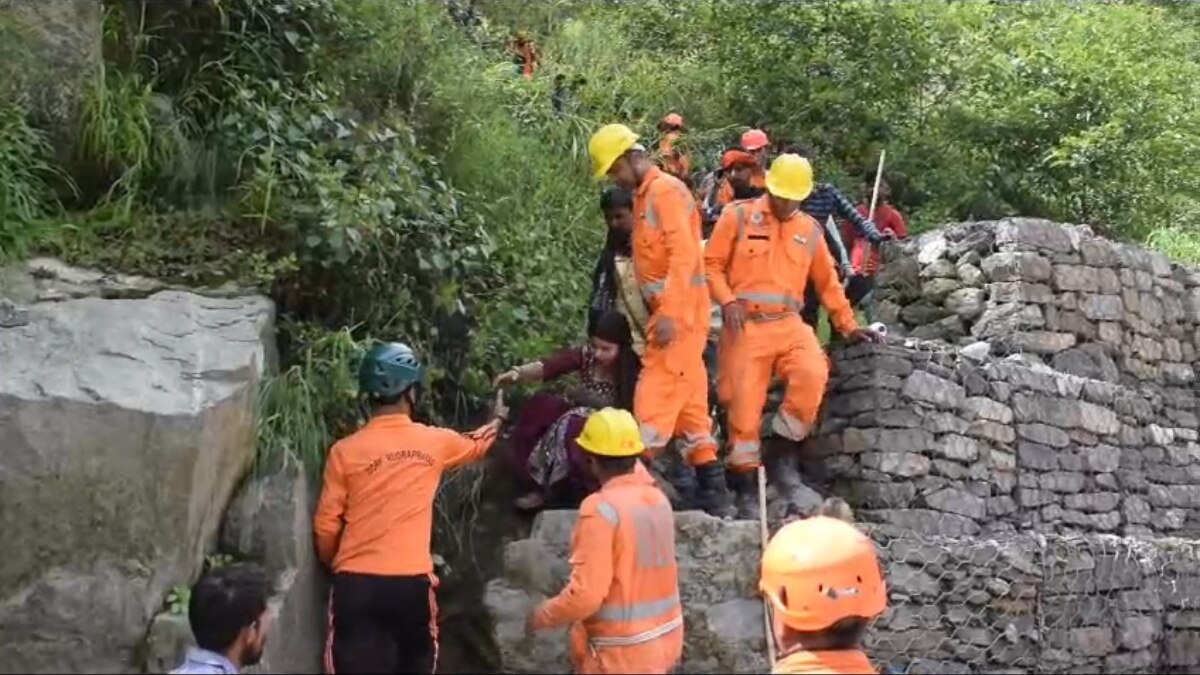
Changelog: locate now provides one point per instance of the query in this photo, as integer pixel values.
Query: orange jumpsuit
(755, 259)
(672, 393)
(846, 662)
(675, 162)
(623, 595)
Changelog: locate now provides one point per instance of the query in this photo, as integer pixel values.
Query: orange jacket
(378, 494)
(624, 584)
(754, 258)
(675, 162)
(667, 254)
(847, 662)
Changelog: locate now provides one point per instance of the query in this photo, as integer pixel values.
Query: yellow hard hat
(790, 177)
(611, 433)
(607, 145)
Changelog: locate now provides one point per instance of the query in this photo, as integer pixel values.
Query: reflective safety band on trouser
(745, 456)
(653, 439)
(639, 638)
(783, 302)
(790, 427)
(654, 288)
(689, 444)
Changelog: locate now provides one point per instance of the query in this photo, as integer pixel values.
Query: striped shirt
(826, 201)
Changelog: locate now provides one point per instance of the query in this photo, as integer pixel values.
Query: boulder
(271, 521)
(718, 576)
(126, 426)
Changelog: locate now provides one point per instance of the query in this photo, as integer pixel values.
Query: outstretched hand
(507, 378)
(866, 335)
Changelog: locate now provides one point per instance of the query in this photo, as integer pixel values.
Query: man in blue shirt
(228, 616)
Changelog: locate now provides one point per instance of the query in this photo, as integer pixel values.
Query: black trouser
(857, 289)
(382, 624)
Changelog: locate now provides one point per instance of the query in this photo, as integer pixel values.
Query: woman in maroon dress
(543, 441)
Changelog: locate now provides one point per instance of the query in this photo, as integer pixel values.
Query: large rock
(50, 51)
(125, 427)
(718, 575)
(269, 522)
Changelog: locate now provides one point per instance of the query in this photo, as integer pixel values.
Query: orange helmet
(818, 571)
(673, 120)
(755, 139)
(733, 158)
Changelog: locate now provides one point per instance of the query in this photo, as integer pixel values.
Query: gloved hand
(866, 335)
(733, 316)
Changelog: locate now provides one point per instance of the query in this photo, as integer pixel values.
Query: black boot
(745, 487)
(713, 493)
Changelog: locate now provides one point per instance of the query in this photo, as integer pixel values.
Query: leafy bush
(379, 169)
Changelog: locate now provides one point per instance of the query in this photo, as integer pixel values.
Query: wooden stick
(878, 179)
(766, 536)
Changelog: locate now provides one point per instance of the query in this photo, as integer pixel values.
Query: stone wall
(922, 436)
(1085, 305)
(1015, 603)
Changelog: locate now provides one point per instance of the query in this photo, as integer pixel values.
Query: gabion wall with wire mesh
(1037, 603)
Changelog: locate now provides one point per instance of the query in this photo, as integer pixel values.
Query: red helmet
(733, 158)
(673, 120)
(755, 139)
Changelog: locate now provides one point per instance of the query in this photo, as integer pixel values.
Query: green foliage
(382, 172)
(25, 192)
(178, 599)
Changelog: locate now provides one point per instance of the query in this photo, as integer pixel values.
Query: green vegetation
(378, 168)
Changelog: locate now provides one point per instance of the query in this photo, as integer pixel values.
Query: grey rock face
(126, 425)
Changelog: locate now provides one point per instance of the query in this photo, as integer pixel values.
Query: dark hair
(226, 601)
(615, 197)
(798, 149)
(612, 326)
(614, 466)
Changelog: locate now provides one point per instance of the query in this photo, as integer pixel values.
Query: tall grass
(25, 192)
(305, 408)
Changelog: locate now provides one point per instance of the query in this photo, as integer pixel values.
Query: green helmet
(389, 369)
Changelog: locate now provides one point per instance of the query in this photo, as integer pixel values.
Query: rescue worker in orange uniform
(822, 579)
(674, 160)
(756, 143)
(374, 521)
(672, 392)
(622, 600)
(733, 183)
(524, 54)
(761, 256)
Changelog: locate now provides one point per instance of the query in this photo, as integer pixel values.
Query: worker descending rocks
(823, 203)
(622, 600)
(822, 579)
(375, 517)
(672, 393)
(760, 258)
(674, 160)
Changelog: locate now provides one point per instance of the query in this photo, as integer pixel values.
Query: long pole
(766, 536)
(878, 179)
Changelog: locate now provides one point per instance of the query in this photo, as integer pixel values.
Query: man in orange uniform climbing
(759, 259)
(622, 601)
(674, 160)
(672, 392)
(375, 518)
(821, 577)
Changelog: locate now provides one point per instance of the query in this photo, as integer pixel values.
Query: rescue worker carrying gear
(622, 600)
(672, 392)
(674, 160)
(374, 521)
(759, 260)
(822, 579)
